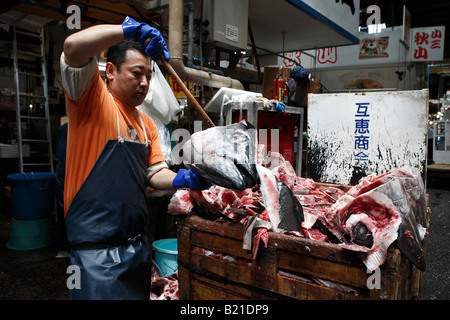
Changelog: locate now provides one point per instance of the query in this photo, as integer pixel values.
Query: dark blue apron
(106, 224)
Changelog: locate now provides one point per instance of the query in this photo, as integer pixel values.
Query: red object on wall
(280, 90)
(285, 124)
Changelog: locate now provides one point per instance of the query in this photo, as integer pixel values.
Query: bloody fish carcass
(268, 196)
(380, 210)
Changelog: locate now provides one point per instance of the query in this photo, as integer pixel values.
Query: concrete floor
(40, 275)
(436, 284)
(30, 275)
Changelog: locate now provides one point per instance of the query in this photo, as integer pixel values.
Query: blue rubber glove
(141, 32)
(188, 179)
(280, 106)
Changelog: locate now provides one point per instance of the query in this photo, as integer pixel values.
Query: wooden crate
(277, 271)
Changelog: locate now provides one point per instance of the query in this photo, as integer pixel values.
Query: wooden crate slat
(324, 269)
(207, 289)
(308, 291)
(314, 248)
(228, 230)
(220, 244)
(223, 268)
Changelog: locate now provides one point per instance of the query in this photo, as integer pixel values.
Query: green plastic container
(30, 234)
(166, 256)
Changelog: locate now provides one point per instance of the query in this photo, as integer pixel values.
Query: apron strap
(119, 136)
(143, 128)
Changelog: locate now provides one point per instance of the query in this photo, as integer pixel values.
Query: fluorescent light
(376, 28)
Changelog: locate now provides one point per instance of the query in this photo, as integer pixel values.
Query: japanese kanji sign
(362, 133)
(354, 134)
(427, 44)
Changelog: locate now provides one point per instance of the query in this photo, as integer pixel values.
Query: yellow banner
(176, 89)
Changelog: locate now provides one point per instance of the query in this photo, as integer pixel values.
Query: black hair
(116, 54)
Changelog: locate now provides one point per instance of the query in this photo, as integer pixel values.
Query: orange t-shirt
(92, 122)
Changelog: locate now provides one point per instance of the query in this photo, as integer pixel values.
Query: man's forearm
(162, 180)
(80, 47)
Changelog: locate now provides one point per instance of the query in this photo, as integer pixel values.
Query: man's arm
(80, 47)
(163, 179)
(166, 179)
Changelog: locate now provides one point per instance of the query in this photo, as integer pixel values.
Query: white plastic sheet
(160, 102)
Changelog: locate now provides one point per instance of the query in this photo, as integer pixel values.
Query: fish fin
(411, 247)
(291, 211)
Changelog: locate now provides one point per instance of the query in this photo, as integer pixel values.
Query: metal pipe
(176, 54)
(190, 60)
(219, 72)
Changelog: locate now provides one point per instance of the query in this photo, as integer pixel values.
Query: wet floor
(33, 274)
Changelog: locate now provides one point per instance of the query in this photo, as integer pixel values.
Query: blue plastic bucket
(30, 234)
(32, 194)
(166, 256)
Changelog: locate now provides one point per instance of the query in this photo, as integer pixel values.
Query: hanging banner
(176, 89)
(406, 27)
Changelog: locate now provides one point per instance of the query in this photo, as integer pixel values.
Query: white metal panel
(395, 136)
(343, 14)
(304, 27)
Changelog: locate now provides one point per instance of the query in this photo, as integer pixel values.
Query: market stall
(292, 237)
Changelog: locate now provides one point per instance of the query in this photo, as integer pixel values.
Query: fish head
(224, 155)
(375, 219)
(291, 211)
(367, 217)
(386, 208)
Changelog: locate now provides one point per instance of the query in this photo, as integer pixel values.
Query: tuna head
(224, 155)
(375, 219)
(370, 223)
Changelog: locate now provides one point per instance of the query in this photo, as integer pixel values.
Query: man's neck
(120, 101)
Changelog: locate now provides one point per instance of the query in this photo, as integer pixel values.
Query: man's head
(128, 70)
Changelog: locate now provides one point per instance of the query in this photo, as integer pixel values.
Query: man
(112, 153)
